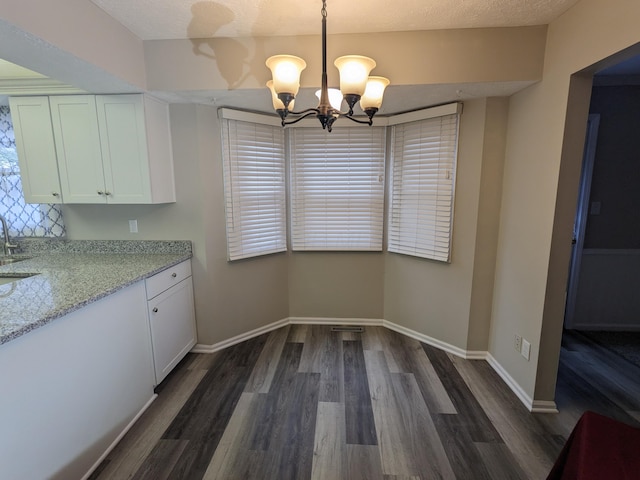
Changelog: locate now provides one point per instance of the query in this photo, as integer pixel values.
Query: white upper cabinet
(31, 118)
(136, 149)
(112, 149)
(75, 128)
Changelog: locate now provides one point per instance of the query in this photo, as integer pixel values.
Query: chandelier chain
(324, 9)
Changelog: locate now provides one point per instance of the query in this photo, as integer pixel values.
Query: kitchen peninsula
(77, 347)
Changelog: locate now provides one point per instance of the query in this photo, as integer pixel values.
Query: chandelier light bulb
(335, 97)
(277, 103)
(373, 93)
(286, 70)
(354, 72)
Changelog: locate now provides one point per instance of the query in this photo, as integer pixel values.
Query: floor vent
(344, 328)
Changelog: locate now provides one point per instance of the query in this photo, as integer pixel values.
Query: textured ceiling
(174, 19)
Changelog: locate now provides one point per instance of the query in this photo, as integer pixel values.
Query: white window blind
(255, 192)
(337, 188)
(422, 188)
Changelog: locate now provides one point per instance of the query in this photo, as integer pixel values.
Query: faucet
(7, 246)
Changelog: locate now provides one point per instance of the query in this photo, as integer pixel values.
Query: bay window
(335, 184)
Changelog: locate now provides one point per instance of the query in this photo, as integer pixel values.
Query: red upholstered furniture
(599, 448)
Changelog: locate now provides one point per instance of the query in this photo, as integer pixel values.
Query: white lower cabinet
(171, 317)
(69, 388)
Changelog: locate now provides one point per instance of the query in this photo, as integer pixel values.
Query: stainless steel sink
(10, 260)
(4, 279)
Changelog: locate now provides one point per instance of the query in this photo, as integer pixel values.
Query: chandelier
(355, 84)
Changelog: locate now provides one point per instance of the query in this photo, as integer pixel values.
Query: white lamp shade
(335, 97)
(286, 70)
(354, 72)
(372, 97)
(277, 103)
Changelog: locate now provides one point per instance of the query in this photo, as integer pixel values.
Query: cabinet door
(77, 140)
(124, 148)
(172, 323)
(31, 118)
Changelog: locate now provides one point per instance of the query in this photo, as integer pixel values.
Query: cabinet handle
(107, 193)
(55, 194)
(100, 192)
(174, 274)
(155, 310)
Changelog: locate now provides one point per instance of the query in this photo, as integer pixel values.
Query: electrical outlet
(517, 343)
(526, 349)
(133, 226)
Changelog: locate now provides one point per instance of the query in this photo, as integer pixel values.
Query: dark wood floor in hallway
(305, 402)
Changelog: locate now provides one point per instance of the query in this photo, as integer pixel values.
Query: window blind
(422, 187)
(337, 188)
(255, 192)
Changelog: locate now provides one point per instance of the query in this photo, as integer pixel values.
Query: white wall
(73, 41)
(231, 298)
(434, 298)
(430, 297)
(544, 144)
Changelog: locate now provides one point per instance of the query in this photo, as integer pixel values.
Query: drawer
(167, 278)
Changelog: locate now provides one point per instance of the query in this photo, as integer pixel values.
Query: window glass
(23, 219)
(422, 187)
(255, 188)
(337, 188)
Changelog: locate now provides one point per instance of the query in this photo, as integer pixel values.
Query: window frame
(318, 221)
(431, 238)
(242, 196)
(387, 171)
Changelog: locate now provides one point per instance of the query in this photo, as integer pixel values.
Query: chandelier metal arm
(326, 119)
(364, 122)
(304, 114)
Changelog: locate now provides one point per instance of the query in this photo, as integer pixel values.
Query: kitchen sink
(14, 278)
(10, 260)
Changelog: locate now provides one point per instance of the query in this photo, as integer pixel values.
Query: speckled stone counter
(68, 275)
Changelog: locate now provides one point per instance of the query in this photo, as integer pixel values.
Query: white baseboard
(537, 406)
(434, 342)
(364, 322)
(544, 406)
(511, 383)
(201, 348)
(534, 406)
(119, 437)
(476, 355)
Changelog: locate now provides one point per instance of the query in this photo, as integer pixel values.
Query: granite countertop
(71, 275)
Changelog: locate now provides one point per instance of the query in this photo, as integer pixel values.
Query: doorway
(580, 222)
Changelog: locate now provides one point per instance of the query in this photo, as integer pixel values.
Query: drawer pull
(174, 274)
(155, 310)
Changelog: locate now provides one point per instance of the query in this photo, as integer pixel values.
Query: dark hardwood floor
(304, 402)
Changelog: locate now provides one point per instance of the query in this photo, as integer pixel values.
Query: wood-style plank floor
(305, 402)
